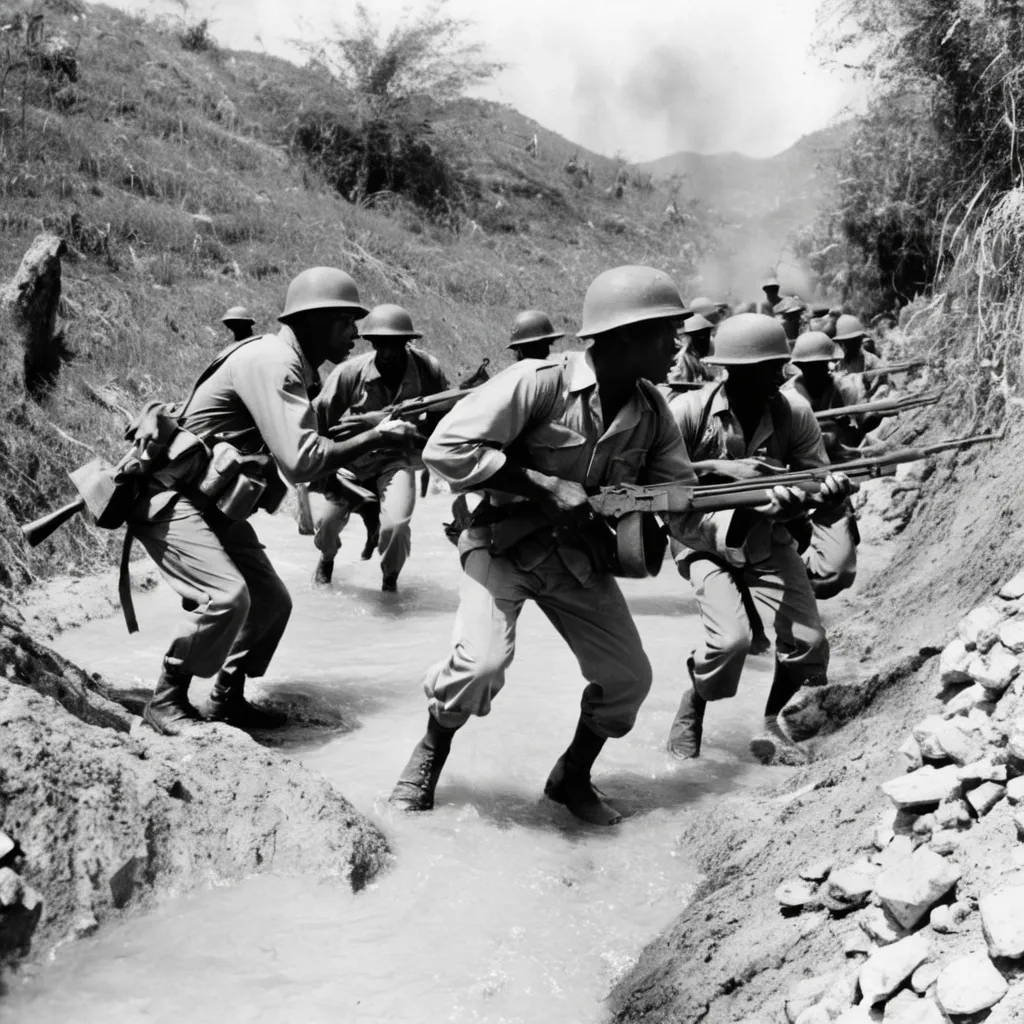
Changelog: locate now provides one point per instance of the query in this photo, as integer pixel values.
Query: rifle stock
(882, 405)
(39, 529)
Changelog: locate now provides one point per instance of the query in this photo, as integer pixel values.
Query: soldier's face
(341, 335)
(755, 384)
(390, 353)
(653, 349)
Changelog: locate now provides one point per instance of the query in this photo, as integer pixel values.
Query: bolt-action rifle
(621, 499)
(904, 366)
(410, 409)
(882, 405)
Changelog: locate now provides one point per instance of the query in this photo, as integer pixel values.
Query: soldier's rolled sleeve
(279, 405)
(465, 448)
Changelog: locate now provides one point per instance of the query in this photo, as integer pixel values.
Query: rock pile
(933, 913)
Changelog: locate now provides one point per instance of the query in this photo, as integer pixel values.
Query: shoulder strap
(705, 413)
(218, 361)
(782, 419)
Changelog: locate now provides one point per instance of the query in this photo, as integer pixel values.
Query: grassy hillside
(177, 181)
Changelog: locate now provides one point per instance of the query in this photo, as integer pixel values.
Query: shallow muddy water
(499, 906)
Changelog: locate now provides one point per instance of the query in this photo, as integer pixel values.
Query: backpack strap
(705, 414)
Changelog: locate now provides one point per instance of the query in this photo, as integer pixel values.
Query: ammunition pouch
(237, 485)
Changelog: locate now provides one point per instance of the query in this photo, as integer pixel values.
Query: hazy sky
(644, 78)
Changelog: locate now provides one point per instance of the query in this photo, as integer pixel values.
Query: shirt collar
(309, 375)
(410, 379)
(581, 375)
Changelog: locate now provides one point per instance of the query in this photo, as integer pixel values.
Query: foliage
(941, 141)
(196, 37)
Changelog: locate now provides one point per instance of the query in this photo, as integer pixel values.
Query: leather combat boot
(774, 745)
(688, 726)
(569, 782)
(169, 711)
(228, 705)
(389, 583)
(414, 790)
(323, 572)
(371, 519)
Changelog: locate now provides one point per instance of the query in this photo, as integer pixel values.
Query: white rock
(896, 852)
(953, 814)
(910, 752)
(1002, 921)
(925, 825)
(817, 1014)
(1011, 635)
(817, 871)
(925, 976)
(926, 735)
(941, 920)
(969, 698)
(969, 984)
(853, 884)
(946, 841)
(858, 943)
(981, 771)
(6, 845)
(983, 619)
(1010, 1009)
(809, 991)
(926, 786)
(907, 1008)
(995, 670)
(953, 663)
(1015, 790)
(795, 893)
(1015, 743)
(1013, 589)
(886, 969)
(858, 1014)
(909, 889)
(961, 745)
(985, 797)
(879, 925)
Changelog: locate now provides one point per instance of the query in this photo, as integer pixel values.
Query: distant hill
(762, 203)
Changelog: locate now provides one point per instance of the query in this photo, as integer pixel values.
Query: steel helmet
(629, 295)
(749, 338)
(770, 282)
(237, 313)
(819, 309)
(388, 321)
(815, 347)
(322, 288)
(703, 306)
(696, 323)
(532, 325)
(849, 327)
(789, 306)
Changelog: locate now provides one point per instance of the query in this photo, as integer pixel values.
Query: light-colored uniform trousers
(236, 605)
(594, 621)
(396, 490)
(783, 598)
(831, 557)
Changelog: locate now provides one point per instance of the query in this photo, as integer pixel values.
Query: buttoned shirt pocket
(557, 450)
(627, 466)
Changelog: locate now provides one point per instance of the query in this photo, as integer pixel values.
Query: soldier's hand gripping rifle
(883, 406)
(629, 506)
(411, 410)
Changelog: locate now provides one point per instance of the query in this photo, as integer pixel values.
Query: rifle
(882, 405)
(622, 499)
(410, 409)
(903, 366)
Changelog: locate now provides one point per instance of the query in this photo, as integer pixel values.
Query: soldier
(821, 319)
(830, 552)
(254, 397)
(367, 386)
(770, 287)
(689, 367)
(790, 312)
(534, 438)
(532, 335)
(850, 334)
(238, 322)
(739, 429)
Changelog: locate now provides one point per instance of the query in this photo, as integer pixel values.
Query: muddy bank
(107, 817)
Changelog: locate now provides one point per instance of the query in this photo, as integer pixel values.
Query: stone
(1013, 589)
(817, 871)
(995, 670)
(981, 771)
(925, 976)
(925, 825)
(1002, 922)
(1018, 821)
(887, 968)
(984, 619)
(881, 926)
(910, 752)
(985, 797)
(1011, 635)
(969, 984)
(925, 733)
(858, 943)
(1015, 743)
(959, 744)
(795, 893)
(11, 888)
(852, 886)
(896, 852)
(926, 786)
(909, 889)
(953, 814)
(953, 663)
(7, 845)
(818, 1014)
(907, 1008)
(883, 835)
(1015, 790)
(809, 991)
(968, 699)
(941, 920)
(946, 841)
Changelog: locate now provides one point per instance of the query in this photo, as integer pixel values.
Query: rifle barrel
(901, 367)
(883, 405)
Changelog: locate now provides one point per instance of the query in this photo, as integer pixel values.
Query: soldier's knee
(233, 601)
(734, 644)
